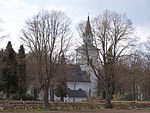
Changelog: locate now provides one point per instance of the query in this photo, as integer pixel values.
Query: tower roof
(87, 35)
(88, 27)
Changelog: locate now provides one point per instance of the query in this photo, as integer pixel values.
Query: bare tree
(131, 77)
(136, 75)
(47, 36)
(146, 78)
(147, 70)
(111, 38)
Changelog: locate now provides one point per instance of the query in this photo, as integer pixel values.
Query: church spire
(88, 36)
(88, 27)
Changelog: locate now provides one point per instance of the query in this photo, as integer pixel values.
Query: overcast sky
(13, 13)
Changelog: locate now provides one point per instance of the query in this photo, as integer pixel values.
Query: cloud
(12, 4)
(15, 12)
(142, 31)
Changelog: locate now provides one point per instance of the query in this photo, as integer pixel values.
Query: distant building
(81, 80)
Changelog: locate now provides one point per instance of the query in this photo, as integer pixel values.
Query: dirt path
(101, 111)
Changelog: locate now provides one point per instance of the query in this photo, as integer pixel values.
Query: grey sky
(15, 12)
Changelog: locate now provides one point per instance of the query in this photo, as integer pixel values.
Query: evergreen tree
(8, 78)
(61, 87)
(21, 71)
(61, 90)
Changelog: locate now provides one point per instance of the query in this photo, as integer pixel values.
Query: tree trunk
(7, 95)
(108, 99)
(45, 99)
(51, 94)
(62, 99)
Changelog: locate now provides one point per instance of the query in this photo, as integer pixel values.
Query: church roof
(75, 74)
(77, 93)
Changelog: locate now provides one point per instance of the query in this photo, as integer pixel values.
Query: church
(81, 80)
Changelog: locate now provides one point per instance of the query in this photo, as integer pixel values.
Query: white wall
(70, 99)
(29, 89)
(93, 78)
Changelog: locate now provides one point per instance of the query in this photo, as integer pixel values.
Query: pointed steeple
(88, 36)
(88, 27)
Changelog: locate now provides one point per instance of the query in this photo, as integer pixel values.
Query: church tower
(87, 46)
(81, 57)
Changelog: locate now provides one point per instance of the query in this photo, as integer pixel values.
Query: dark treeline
(13, 71)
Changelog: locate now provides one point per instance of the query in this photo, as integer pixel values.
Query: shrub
(16, 97)
(24, 97)
(29, 97)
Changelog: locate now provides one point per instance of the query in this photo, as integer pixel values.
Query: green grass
(21, 110)
(148, 108)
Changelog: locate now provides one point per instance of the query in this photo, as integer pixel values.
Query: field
(76, 107)
(100, 111)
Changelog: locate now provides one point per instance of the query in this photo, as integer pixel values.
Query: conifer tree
(8, 78)
(21, 71)
(61, 87)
